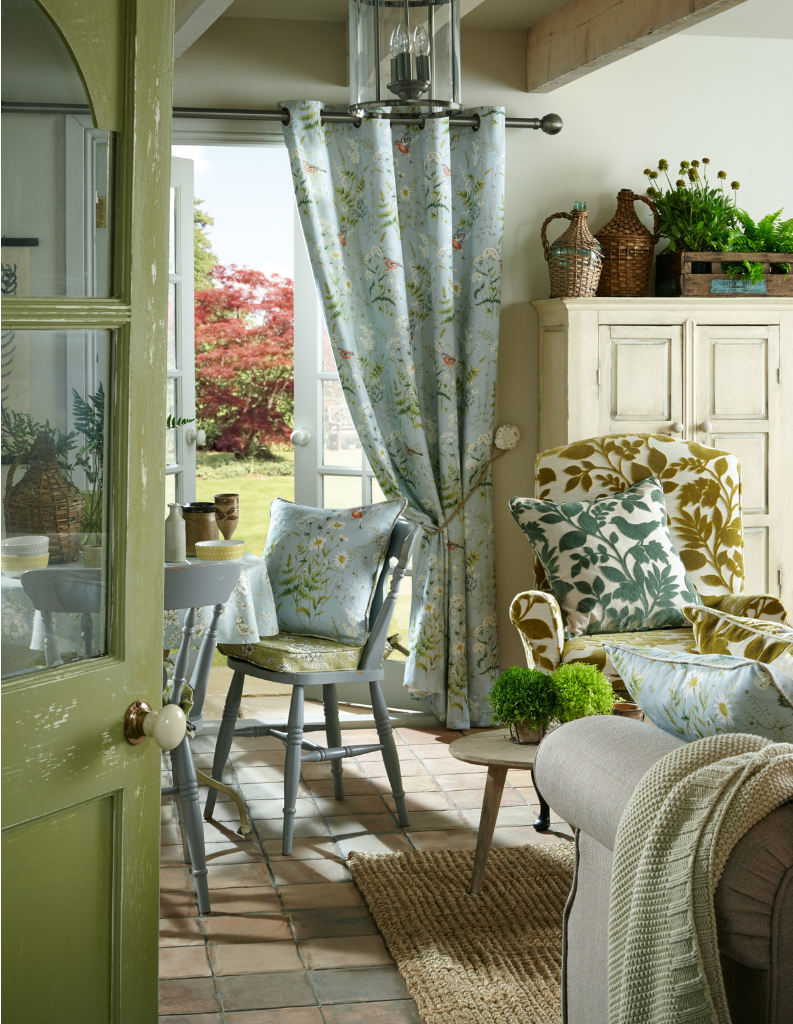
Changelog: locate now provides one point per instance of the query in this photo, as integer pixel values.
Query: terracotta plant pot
(627, 709)
(526, 732)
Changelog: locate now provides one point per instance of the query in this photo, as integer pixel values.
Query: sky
(248, 190)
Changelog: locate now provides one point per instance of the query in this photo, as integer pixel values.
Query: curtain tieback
(470, 494)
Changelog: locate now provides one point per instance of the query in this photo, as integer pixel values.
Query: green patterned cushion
(287, 653)
(610, 563)
(323, 564)
(716, 632)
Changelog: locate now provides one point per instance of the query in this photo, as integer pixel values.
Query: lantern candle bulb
(421, 48)
(400, 55)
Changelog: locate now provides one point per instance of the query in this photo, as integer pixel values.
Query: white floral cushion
(610, 563)
(323, 565)
(698, 695)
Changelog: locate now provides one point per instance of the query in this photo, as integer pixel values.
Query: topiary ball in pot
(523, 699)
(581, 690)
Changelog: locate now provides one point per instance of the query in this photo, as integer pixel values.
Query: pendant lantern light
(405, 57)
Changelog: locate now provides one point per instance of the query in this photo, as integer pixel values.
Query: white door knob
(195, 437)
(677, 427)
(166, 727)
(300, 436)
(707, 426)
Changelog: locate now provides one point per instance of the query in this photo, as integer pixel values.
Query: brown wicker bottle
(627, 248)
(45, 501)
(575, 258)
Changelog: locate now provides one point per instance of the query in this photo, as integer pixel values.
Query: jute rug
(495, 958)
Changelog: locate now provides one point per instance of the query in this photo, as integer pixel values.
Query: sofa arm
(538, 618)
(750, 606)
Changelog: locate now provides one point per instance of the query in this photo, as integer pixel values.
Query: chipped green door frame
(80, 807)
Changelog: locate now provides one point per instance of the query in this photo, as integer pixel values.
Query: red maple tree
(244, 354)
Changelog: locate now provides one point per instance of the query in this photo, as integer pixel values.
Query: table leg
(494, 787)
(543, 822)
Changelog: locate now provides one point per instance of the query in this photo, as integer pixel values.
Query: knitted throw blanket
(675, 836)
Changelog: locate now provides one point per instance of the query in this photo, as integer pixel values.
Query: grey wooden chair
(74, 591)
(369, 671)
(192, 587)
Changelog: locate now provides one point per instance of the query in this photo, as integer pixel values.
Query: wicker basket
(574, 259)
(45, 501)
(627, 248)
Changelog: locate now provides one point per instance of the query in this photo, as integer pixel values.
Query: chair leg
(333, 733)
(294, 738)
(223, 743)
(390, 756)
(193, 825)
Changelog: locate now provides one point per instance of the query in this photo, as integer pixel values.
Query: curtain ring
(423, 122)
(287, 115)
(478, 124)
(321, 117)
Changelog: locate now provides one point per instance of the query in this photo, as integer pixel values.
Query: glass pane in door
(55, 515)
(172, 326)
(170, 433)
(341, 446)
(341, 491)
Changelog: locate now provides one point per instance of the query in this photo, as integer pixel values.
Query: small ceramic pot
(227, 513)
(22, 553)
(199, 524)
(627, 709)
(526, 732)
(220, 550)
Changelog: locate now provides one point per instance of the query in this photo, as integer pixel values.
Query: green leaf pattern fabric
(718, 633)
(610, 563)
(404, 231)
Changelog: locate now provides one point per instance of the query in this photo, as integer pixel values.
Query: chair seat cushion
(285, 652)
(589, 648)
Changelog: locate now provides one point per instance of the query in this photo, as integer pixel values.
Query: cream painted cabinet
(716, 371)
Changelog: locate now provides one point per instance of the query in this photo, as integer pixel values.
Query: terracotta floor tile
(181, 931)
(256, 776)
(426, 821)
(350, 736)
(451, 839)
(178, 904)
(233, 876)
(170, 834)
(450, 766)
(410, 783)
(255, 958)
(431, 801)
(242, 853)
(192, 1018)
(249, 900)
(523, 835)
(188, 995)
(273, 828)
(302, 872)
(256, 758)
(287, 1015)
(184, 962)
(206, 761)
(431, 751)
(223, 833)
(344, 951)
(325, 924)
(167, 810)
(249, 928)
(352, 787)
(376, 769)
(318, 895)
(311, 848)
(203, 744)
(366, 984)
(351, 805)
(522, 815)
(172, 879)
(241, 743)
(171, 856)
(452, 783)
(225, 811)
(519, 777)
(397, 1011)
(267, 809)
(321, 770)
(418, 736)
(268, 791)
(404, 753)
(264, 991)
(357, 824)
(387, 843)
(528, 793)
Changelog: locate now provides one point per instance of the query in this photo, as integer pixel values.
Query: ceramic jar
(200, 524)
(175, 536)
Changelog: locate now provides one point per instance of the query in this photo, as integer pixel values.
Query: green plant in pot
(581, 690)
(89, 419)
(695, 215)
(523, 699)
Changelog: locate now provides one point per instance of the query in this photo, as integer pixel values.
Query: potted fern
(769, 235)
(523, 699)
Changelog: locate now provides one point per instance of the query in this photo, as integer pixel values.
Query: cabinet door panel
(641, 372)
(737, 409)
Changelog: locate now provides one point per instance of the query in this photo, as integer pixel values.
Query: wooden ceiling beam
(191, 20)
(585, 35)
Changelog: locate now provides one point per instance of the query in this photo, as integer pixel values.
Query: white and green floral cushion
(702, 490)
(610, 563)
(750, 606)
(698, 695)
(718, 633)
(323, 565)
(287, 653)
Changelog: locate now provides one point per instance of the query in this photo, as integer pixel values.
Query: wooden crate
(699, 273)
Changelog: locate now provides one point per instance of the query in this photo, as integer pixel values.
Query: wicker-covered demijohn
(45, 502)
(575, 258)
(627, 248)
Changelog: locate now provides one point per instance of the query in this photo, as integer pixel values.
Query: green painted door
(86, 140)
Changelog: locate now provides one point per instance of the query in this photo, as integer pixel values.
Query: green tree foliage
(204, 258)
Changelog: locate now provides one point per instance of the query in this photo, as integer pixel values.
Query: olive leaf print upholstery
(403, 231)
(751, 606)
(698, 695)
(610, 563)
(323, 565)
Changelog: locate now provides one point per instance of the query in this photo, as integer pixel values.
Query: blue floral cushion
(323, 564)
(696, 695)
(610, 563)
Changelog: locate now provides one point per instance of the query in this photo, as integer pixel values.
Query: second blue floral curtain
(404, 230)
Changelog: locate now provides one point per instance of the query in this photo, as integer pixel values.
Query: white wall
(686, 97)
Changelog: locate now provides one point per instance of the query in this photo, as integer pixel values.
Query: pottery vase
(200, 524)
(175, 535)
(227, 513)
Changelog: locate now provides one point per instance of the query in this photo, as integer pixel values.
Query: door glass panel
(377, 492)
(172, 326)
(170, 491)
(56, 166)
(328, 360)
(55, 517)
(341, 446)
(170, 434)
(172, 233)
(341, 491)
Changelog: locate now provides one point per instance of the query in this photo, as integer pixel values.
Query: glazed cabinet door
(640, 376)
(737, 408)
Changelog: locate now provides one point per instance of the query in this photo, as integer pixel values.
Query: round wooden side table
(495, 750)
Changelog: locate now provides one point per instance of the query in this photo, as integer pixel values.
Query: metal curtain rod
(551, 124)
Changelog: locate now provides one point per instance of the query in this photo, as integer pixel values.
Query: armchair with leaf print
(702, 492)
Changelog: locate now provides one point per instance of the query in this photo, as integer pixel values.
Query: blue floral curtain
(404, 229)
